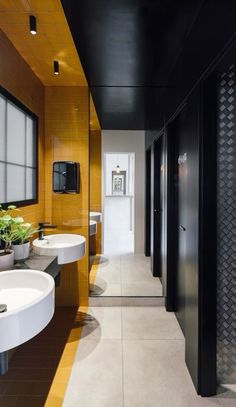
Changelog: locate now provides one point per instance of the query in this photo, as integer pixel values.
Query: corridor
(134, 357)
(127, 275)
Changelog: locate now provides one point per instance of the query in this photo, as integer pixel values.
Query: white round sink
(92, 227)
(97, 216)
(67, 247)
(29, 297)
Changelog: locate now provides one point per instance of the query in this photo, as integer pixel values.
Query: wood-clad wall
(96, 186)
(67, 138)
(17, 77)
(63, 134)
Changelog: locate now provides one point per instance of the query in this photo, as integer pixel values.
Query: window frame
(12, 99)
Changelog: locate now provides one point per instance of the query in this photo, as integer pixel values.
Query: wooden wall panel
(96, 185)
(67, 138)
(52, 42)
(64, 112)
(17, 77)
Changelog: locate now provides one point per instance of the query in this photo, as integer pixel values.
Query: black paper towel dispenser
(66, 177)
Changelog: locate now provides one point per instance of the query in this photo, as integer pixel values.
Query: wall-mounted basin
(29, 298)
(92, 227)
(97, 216)
(67, 247)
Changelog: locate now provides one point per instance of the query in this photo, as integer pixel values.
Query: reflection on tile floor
(123, 275)
(134, 357)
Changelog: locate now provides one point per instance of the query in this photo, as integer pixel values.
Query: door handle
(182, 228)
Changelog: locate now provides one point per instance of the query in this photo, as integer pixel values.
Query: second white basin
(97, 216)
(67, 247)
(29, 297)
(92, 227)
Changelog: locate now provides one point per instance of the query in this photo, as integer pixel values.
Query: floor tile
(28, 401)
(227, 402)
(8, 401)
(28, 388)
(136, 273)
(105, 301)
(111, 274)
(112, 290)
(3, 387)
(227, 395)
(101, 286)
(124, 275)
(155, 375)
(149, 323)
(14, 374)
(141, 289)
(103, 322)
(96, 378)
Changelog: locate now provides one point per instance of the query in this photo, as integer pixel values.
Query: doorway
(118, 203)
(121, 269)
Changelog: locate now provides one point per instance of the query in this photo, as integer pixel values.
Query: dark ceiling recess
(128, 49)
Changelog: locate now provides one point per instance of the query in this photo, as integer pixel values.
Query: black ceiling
(128, 49)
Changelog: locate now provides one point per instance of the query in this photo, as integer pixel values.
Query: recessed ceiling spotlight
(56, 67)
(32, 24)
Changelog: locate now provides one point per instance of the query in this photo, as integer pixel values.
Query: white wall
(130, 141)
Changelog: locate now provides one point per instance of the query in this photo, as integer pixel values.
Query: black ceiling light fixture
(56, 67)
(33, 25)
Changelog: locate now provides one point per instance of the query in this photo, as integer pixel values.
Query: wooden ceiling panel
(52, 42)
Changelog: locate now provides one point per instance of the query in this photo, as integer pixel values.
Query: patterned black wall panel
(226, 227)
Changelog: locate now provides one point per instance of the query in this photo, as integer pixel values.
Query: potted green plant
(7, 254)
(21, 234)
(16, 234)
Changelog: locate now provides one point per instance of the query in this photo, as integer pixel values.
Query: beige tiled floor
(124, 275)
(134, 357)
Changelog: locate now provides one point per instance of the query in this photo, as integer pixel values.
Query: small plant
(22, 232)
(6, 221)
(13, 229)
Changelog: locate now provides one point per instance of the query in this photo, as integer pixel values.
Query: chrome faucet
(43, 226)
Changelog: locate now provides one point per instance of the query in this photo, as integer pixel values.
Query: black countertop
(48, 264)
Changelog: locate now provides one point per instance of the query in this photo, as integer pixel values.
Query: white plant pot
(21, 251)
(6, 260)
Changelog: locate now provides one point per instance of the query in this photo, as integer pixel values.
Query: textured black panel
(226, 227)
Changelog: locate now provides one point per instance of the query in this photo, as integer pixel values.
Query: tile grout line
(152, 339)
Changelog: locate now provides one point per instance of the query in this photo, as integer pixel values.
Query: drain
(3, 307)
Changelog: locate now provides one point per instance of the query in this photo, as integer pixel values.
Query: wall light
(117, 169)
(56, 67)
(32, 24)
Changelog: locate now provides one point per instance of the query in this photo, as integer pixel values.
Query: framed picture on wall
(118, 183)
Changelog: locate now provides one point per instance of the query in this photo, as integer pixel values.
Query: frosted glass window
(30, 182)
(15, 183)
(18, 152)
(2, 182)
(2, 128)
(30, 142)
(15, 135)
